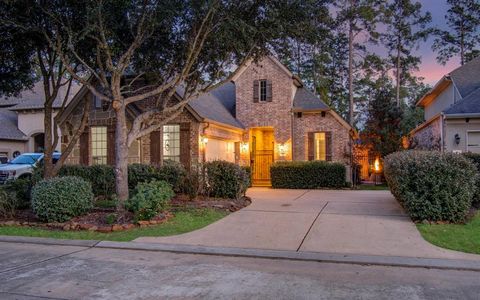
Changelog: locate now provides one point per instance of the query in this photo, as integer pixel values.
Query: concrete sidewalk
(325, 221)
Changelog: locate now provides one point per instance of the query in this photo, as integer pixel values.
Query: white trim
(466, 138)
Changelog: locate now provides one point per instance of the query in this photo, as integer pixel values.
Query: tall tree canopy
(406, 26)
(156, 49)
(463, 35)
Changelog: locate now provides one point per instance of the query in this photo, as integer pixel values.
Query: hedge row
(432, 185)
(102, 177)
(475, 159)
(308, 175)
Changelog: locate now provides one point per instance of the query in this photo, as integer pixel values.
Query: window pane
(171, 142)
(320, 146)
(263, 90)
(99, 145)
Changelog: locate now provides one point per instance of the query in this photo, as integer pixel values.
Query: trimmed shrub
(149, 199)
(61, 198)
(173, 173)
(101, 177)
(225, 179)
(193, 183)
(431, 185)
(139, 173)
(307, 174)
(21, 188)
(475, 159)
(8, 203)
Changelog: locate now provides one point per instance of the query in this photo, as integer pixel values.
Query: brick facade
(427, 137)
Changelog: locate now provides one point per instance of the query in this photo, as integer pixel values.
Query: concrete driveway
(332, 221)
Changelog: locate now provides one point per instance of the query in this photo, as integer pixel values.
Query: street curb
(394, 261)
(358, 259)
(47, 241)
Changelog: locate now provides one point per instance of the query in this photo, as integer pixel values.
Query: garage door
(473, 141)
(220, 150)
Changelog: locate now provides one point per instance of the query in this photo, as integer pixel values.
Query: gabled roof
(469, 105)
(9, 129)
(218, 105)
(467, 77)
(304, 100)
(34, 98)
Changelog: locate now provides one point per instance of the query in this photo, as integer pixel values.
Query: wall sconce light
(457, 138)
(244, 147)
(282, 149)
(204, 140)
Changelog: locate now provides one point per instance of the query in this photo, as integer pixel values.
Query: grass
(371, 187)
(465, 238)
(182, 222)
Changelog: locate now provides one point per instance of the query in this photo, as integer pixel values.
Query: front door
(262, 156)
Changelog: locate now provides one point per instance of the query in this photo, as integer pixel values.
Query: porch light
(204, 140)
(376, 165)
(282, 149)
(457, 138)
(244, 147)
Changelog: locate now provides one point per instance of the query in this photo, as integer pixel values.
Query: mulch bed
(96, 219)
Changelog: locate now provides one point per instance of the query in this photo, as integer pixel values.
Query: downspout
(442, 128)
(291, 134)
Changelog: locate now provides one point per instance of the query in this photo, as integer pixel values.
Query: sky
(430, 69)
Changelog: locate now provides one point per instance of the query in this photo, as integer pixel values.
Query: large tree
(359, 18)
(26, 30)
(463, 35)
(184, 48)
(406, 27)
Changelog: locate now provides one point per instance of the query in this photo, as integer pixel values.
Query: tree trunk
(121, 155)
(398, 76)
(350, 72)
(462, 45)
(48, 148)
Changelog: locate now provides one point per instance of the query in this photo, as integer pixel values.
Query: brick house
(264, 114)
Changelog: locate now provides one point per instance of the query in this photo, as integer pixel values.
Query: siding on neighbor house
(462, 128)
(444, 100)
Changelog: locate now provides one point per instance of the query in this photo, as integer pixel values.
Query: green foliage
(101, 177)
(172, 172)
(149, 199)
(475, 159)
(22, 189)
(193, 183)
(308, 175)
(432, 186)
(61, 198)
(8, 203)
(226, 179)
(111, 218)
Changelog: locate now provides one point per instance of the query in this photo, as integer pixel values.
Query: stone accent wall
(428, 137)
(274, 114)
(313, 122)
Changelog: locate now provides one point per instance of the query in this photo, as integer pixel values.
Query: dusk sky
(430, 69)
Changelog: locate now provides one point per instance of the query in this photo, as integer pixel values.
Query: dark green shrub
(149, 199)
(139, 173)
(225, 179)
(431, 185)
(61, 198)
(248, 170)
(101, 177)
(475, 159)
(307, 174)
(8, 203)
(21, 188)
(173, 173)
(111, 218)
(193, 183)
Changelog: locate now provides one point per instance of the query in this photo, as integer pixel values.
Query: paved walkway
(346, 221)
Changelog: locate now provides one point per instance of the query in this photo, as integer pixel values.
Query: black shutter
(185, 145)
(328, 145)
(255, 91)
(311, 146)
(155, 147)
(269, 91)
(85, 146)
(111, 145)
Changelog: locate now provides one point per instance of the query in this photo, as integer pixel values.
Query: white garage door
(220, 150)
(473, 141)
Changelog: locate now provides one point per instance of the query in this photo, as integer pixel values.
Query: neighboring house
(452, 112)
(264, 115)
(22, 121)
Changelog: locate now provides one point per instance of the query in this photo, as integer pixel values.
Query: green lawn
(464, 238)
(184, 221)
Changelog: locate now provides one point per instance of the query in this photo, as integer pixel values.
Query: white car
(22, 166)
